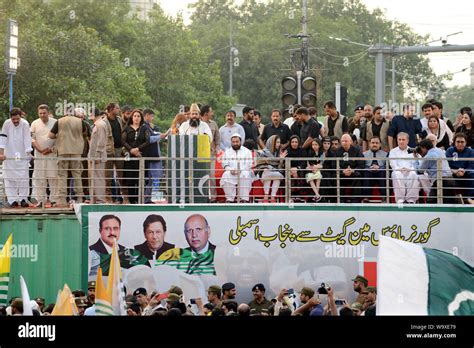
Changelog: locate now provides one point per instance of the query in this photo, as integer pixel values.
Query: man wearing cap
(370, 301)
(91, 292)
(355, 122)
(171, 300)
(69, 133)
(81, 304)
(194, 126)
(260, 305)
(229, 291)
(237, 163)
(154, 229)
(305, 295)
(214, 295)
(141, 297)
(360, 286)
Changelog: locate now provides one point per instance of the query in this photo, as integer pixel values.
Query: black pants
(448, 192)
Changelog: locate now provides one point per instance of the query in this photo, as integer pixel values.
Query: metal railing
(183, 180)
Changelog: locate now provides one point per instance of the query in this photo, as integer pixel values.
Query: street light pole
(231, 68)
(380, 51)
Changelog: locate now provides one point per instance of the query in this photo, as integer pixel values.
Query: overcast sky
(438, 18)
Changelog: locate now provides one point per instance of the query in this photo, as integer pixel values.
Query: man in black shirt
(276, 128)
(250, 128)
(350, 169)
(309, 129)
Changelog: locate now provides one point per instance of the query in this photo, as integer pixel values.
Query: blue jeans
(154, 172)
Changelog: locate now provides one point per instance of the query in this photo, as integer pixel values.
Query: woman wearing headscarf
(270, 164)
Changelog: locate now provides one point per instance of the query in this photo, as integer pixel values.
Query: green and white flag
(5, 261)
(186, 171)
(412, 280)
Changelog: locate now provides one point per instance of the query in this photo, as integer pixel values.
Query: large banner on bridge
(281, 247)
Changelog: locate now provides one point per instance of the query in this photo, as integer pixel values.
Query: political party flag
(5, 271)
(188, 261)
(115, 286)
(184, 172)
(27, 310)
(66, 304)
(412, 280)
(103, 298)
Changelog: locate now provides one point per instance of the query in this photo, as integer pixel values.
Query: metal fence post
(191, 180)
(287, 180)
(141, 180)
(439, 181)
(338, 183)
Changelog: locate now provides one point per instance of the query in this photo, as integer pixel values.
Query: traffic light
(290, 91)
(290, 96)
(308, 91)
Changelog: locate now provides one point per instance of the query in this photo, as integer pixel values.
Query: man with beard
(194, 126)
(250, 128)
(378, 126)
(360, 286)
(228, 291)
(126, 114)
(237, 163)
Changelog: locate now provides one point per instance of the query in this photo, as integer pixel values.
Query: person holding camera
(429, 165)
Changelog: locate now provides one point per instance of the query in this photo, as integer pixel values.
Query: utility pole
(231, 65)
(381, 51)
(394, 81)
(305, 46)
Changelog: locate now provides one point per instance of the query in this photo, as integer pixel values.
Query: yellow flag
(203, 147)
(103, 297)
(5, 264)
(5, 256)
(66, 304)
(115, 287)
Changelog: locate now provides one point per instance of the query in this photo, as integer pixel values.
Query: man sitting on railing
(237, 163)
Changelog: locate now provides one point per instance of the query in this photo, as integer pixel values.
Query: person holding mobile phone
(306, 294)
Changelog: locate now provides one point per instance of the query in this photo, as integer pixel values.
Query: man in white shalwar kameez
(46, 167)
(15, 151)
(237, 163)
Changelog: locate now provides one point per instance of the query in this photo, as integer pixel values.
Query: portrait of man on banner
(198, 257)
(154, 229)
(100, 252)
